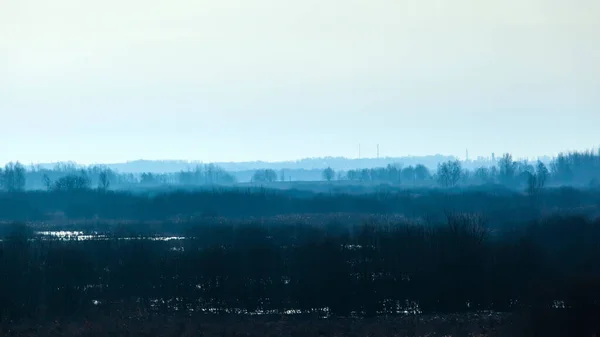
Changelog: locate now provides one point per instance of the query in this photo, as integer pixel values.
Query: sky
(239, 80)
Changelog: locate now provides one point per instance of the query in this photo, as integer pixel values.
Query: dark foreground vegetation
(135, 324)
(500, 206)
(545, 273)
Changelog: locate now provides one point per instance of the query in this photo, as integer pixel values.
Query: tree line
(574, 168)
(500, 205)
(70, 177)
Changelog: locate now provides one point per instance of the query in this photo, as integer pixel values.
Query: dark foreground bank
(140, 325)
(546, 271)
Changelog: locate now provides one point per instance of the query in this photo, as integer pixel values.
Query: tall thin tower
(358, 151)
(467, 155)
(377, 151)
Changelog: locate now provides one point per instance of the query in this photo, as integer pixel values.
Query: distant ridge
(336, 163)
(305, 164)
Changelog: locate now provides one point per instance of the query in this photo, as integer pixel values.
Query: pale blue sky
(236, 80)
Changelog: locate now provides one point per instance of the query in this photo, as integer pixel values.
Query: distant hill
(307, 167)
(336, 163)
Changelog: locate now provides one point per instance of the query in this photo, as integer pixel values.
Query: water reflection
(81, 236)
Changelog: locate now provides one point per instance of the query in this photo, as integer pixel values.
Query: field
(290, 263)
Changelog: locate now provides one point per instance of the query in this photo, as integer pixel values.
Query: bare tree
(482, 174)
(72, 182)
(537, 180)
(103, 181)
(449, 173)
(13, 177)
(148, 178)
(409, 174)
(264, 176)
(532, 183)
(328, 174)
(47, 182)
(506, 169)
(421, 172)
(542, 174)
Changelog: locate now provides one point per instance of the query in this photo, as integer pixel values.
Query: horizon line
(133, 161)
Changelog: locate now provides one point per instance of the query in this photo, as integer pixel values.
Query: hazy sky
(220, 80)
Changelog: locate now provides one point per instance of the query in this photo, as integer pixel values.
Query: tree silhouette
(47, 182)
(148, 178)
(449, 173)
(507, 169)
(264, 176)
(542, 174)
(409, 174)
(13, 177)
(71, 183)
(103, 180)
(328, 174)
(422, 172)
(483, 175)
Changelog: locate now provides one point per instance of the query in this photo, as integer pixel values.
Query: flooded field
(82, 236)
